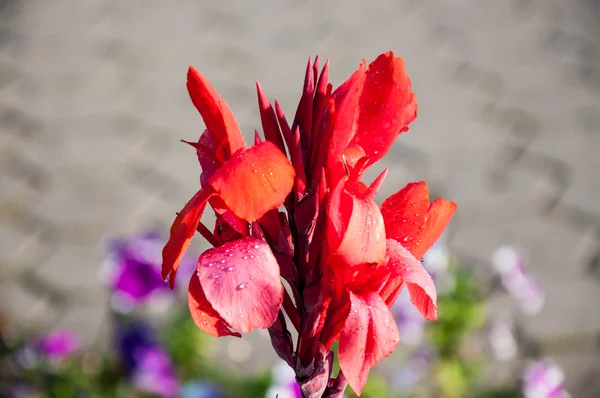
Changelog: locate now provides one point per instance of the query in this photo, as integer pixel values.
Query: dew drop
(256, 246)
(255, 170)
(241, 316)
(254, 309)
(407, 238)
(228, 312)
(205, 322)
(210, 264)
(215, 276)
(230, 269)
(242, 286)
(223, 261)
(245, 258)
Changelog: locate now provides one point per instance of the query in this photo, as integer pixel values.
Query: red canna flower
(345, 258)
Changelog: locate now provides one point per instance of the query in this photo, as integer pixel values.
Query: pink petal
(241, 281)
(203, 314)
(369, 335)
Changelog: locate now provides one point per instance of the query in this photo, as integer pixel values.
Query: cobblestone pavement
(93, 104)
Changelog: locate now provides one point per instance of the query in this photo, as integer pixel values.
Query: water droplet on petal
(215, 276)
(242, 286)
(228, 312)
(230, 269)
(210, 264)
(256, 246)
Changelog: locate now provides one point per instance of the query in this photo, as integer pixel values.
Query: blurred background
(93, 105)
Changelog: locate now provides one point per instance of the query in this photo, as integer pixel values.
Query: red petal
(369, 335)
(209, 158)
(345, 99)
(405, 269)
(411, 220)
(320, 95)
(376, 184)
(363, 239)
(211, 154)
(254, 181)
(304, 112)
(241, 281)
(387, 105)
(269, 119)
(216, 114)
(338, 215)
(292, 140)
(181, 234)
(203, 314)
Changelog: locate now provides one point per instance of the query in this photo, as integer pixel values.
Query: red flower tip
(215, 112)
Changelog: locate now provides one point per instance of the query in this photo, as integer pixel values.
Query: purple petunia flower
(56, 345)
(146, 363)
(509, 263)
(133, 269)
(284, 383)
(543, 379)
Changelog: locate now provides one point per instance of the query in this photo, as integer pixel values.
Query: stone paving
(93, 104)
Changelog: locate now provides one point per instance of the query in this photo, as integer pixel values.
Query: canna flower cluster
(293, 207)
